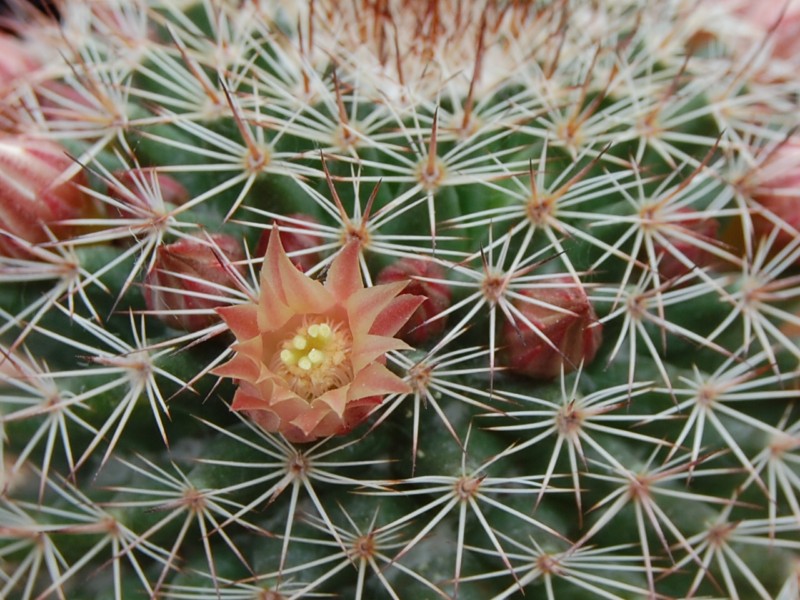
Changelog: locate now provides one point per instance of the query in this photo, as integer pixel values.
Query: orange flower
(310, 358)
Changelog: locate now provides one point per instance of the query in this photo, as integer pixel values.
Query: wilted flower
(310, 357)
(33, 197)
(431, 287)
(188, 279)
(561, 315)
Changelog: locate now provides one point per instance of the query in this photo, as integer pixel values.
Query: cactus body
(213, 384)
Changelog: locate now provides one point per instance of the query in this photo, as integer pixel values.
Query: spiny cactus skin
(641, 154)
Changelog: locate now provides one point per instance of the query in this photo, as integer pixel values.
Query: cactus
(399, 299)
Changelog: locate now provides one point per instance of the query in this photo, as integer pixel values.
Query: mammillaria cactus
(206, 386)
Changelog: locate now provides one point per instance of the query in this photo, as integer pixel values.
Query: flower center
(315, 359)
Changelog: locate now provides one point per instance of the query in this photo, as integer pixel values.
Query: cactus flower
(436, 294)
(309, 357)
(564, 316)
(187, 276)
(33, 198)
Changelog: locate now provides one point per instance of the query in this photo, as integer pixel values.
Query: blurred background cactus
(597, 202)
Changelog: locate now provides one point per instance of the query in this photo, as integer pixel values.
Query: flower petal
(376, 380)
(240, 366)
(272, 311)
(369, 348)
(279, 277)
(242, 319)
(366, 304)
(390, 320)
(268, 396)
(248, 397)
(344, 274)
(266, 419)
(311, 418)
(289, 406)
(335, 399)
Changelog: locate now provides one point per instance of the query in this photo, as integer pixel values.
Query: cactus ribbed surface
(215, 382)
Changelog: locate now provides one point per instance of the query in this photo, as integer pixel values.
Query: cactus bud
(574, 336)
(187, 275)
(698, 227)
(780, 19)
(33, 199)
(437, 297)
(295, 238)
(777, 193)
(15, 61)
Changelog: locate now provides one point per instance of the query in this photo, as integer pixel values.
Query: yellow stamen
(288, 357)
(315, 359)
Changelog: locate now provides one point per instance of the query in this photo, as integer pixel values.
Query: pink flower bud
(778, 191)
(437, 297)
(295, 238)
(187, 276)
(61, 102)
(778, 18)
(698, 227)
(574, 336)
(33, 198)
(141, 189)
(15, 61)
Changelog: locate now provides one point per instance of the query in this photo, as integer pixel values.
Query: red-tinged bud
(778, 192)
(15, 61)
(701, 229)
(59, 101)
(33, 197)
(297, 238)
(144, 190)
(574, 336)
(436, 293)
(187, 277)
(780, 19)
